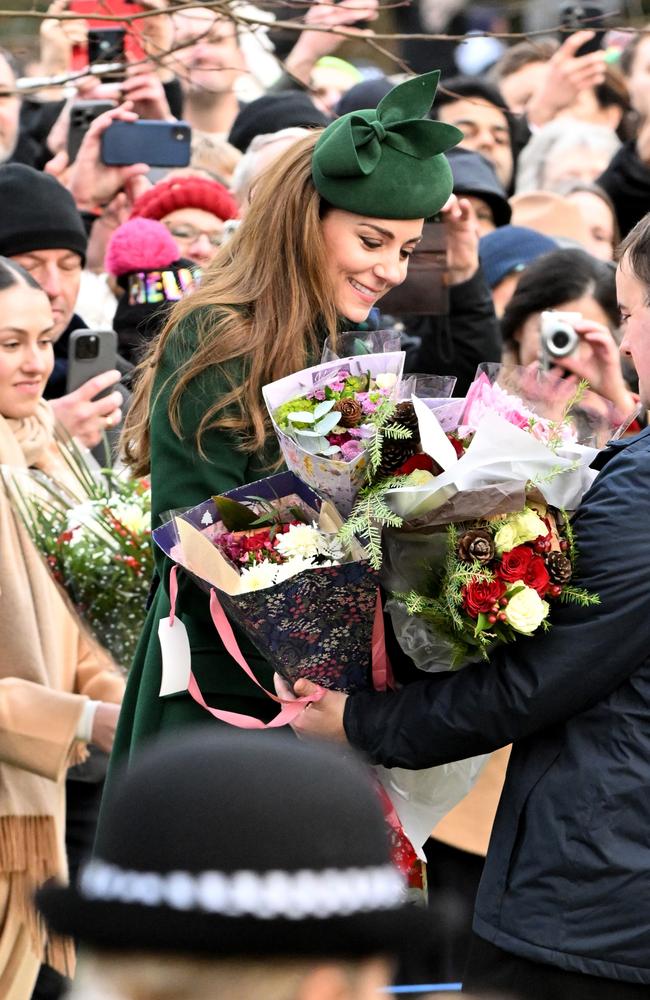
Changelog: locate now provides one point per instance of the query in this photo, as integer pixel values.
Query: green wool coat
(181, 478)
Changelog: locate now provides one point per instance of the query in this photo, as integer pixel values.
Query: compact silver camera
(558, 336)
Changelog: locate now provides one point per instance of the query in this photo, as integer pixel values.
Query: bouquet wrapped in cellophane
(93, 528)
(330, 420)
(270, 552)
(472, 538)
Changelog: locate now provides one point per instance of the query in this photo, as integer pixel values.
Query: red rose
(481, 596)
(458, 445)
(514, 564)
(419, 461)
(537, 576)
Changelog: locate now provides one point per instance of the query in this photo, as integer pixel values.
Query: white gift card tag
(176, 657)
(434, 441)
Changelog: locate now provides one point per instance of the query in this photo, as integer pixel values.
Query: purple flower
(351, 450)
(318, 394)
(364, 432)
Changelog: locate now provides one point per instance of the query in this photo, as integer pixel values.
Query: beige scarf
(43, 655)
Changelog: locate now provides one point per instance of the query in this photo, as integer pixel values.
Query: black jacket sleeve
(457, 343)
(627, 182)
(544, 680)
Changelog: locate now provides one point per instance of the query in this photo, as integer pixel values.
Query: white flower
(84, 515)
(132, 517)
(291, 568)
(526, 610)
(385, 380)
(302, 541)
(257, 577)
(523, 527)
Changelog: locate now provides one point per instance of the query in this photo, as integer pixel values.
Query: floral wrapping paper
(317, 624)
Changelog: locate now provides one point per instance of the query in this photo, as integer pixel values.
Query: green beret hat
(387, 161)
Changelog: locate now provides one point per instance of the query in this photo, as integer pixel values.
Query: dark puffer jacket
(567, 876)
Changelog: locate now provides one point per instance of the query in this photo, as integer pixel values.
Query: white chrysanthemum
(302, 541)
(132, 517)
(257, 577)
(291, 568)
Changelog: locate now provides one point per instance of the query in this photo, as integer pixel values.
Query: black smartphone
(82, 113)
(90, 352)
(105, 46)
(578, 17)
(158, 143)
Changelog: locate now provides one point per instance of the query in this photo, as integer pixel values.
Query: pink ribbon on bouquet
(382, 673)
(290, 709)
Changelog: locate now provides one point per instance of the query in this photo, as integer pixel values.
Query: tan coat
(469, 824)
(49, 668)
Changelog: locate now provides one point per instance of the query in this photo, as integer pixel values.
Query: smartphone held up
(158, 143)
(100, 21)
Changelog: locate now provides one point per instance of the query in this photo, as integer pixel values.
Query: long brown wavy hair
(261, 301)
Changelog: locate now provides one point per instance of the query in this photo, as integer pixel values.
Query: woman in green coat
(329, 231)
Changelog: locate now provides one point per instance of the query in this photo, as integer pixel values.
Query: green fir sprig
(385, 427)
(368, 516)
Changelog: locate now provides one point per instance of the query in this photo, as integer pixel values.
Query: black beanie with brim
(38, 213)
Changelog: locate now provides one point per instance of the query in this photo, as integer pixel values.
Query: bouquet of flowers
(330, 420)
(94, 532)
(467, 526)
(271, 553)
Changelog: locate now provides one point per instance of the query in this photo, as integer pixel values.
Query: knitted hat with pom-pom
(140, 245)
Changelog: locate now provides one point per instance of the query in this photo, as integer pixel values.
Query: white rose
(420, 477)
(523, 527)
(529, 526)
(526, 610)
(505, 538)
(385, 380)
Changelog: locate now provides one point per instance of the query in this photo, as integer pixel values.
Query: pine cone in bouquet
(476, 545)
(351, 412)
(394, 453)
(406, 416)
(559, 568)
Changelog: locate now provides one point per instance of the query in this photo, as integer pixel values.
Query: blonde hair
(259, 302)
(141, 976)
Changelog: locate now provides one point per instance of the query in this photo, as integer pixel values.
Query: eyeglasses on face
(190, 234)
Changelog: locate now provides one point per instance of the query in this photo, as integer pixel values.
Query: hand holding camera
(586, 350)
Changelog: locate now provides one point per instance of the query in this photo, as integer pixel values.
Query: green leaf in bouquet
(331, 451)
(298, 514)
(323, 408)
(301, 417)
(235, 516)
(328, 423)
(358, 383)
(312, 441)
(482, 623)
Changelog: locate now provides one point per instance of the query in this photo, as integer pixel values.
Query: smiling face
(207, 53)
(26, 353)
(634, 304)
(367, 257)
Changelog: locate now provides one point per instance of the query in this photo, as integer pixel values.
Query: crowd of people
(321, 195)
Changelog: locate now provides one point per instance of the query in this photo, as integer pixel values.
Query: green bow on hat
(387, 162)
